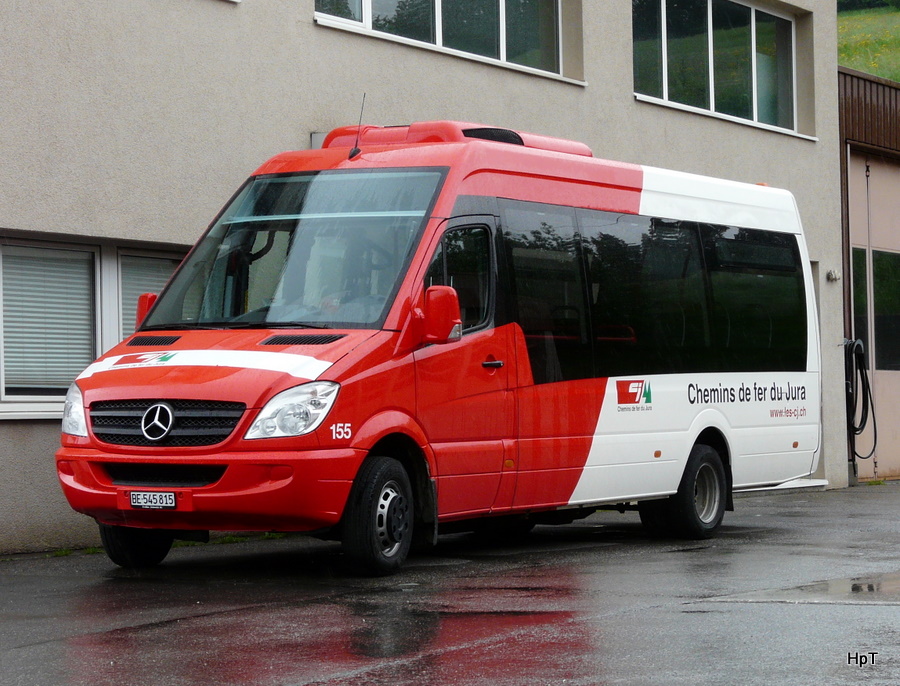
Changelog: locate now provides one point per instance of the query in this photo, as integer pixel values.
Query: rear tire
(696, 510)
(699, 505)
(135, 548)
(378, 520)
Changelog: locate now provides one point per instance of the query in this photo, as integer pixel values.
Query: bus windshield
(322, 250)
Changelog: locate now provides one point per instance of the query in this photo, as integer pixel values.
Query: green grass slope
(869, 41)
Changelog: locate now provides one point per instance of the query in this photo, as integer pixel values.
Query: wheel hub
(391, 518)
(706, 494)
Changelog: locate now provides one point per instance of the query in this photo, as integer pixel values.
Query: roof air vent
(494, 134)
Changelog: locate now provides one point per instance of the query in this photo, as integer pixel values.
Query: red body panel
(468, 413)
(260, 491)
(557, 423)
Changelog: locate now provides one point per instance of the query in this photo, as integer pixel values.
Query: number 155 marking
(341, 431)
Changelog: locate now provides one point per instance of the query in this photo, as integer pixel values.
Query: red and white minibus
(447, 325)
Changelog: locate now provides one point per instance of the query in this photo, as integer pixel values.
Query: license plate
(153, 500)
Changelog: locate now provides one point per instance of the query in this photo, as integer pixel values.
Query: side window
(670, 296)
(463, 261)
(758, 299)
(649, 311)
(549, 293)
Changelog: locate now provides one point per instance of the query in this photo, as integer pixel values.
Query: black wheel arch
(405, 450)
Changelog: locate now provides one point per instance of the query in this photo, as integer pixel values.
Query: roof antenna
(355, 150)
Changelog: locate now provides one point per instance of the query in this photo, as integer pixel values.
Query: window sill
(640, 97)
(16, 411)
(353, 27)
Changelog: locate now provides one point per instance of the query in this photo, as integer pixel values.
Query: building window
(48, 319)
(717, 55)
(61, 306)
(346, 9)
(886, 296)
(472, 27)
(140, 274)
(521, 32)
(408, 18)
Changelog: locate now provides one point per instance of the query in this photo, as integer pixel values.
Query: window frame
(39, 406)
(711, 74)
(106, 318)
(364, 27)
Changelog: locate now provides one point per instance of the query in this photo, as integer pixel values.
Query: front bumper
(259, 491)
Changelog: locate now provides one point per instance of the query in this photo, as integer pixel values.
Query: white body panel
(771, 422)
(299, 366)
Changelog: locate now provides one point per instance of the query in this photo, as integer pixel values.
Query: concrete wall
(136, 119)
(34, 513)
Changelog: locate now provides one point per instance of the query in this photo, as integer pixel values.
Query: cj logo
(633, 392)
(157, 421)
(144, 358)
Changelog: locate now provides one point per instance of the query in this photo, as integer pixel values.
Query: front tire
(378, 520)
(135, 548)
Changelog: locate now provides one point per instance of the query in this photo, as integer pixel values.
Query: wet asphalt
(798, 588)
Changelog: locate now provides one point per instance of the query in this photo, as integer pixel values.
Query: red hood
(245, 366)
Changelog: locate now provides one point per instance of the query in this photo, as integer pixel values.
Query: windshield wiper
(211, 326)
(294, 325)
(179, 327)
(270, 325)
(205, 326)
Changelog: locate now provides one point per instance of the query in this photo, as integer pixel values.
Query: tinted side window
(624, 294)
(648, 294)
(463, 261)
(548, 285)
(758, 299)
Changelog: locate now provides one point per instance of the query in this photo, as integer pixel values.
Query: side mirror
(443, 323)
(144, 303)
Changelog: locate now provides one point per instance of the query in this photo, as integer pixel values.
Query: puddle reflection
(880, 589)
(470, 632)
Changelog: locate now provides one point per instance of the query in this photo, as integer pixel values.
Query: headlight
(295, 412)
(74, 422)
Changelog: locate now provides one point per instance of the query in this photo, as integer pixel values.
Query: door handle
(492, 364)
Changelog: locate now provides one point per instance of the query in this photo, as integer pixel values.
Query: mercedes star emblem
(157, 421)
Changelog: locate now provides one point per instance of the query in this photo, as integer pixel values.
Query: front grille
(196, 422)
(163, 475)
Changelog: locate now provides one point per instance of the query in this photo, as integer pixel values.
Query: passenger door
(463, 391)
(558, 399)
